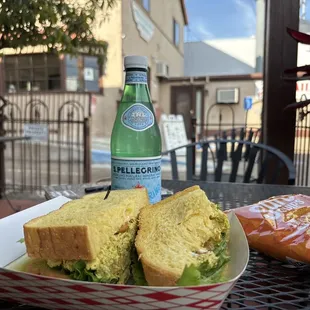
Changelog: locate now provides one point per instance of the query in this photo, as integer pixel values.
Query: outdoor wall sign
(37, 132)
(174, 133)
(302, 90)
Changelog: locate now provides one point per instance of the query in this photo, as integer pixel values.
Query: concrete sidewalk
(100, 143)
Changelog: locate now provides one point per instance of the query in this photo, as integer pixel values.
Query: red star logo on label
(139, 186)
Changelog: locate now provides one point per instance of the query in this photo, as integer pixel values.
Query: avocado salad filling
(79, 272)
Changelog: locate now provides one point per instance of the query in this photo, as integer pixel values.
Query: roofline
(230, 77)
(184, 12)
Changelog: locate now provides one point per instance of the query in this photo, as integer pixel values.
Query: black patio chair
(255, 162)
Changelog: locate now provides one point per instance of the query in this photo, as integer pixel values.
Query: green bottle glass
(136, 140)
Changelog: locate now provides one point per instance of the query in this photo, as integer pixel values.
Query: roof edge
(184, 12)
(230, 77)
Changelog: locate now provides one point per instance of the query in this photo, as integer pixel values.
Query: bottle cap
(135, 62)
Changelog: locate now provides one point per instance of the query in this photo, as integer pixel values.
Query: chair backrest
(247, 134)
(245, 162)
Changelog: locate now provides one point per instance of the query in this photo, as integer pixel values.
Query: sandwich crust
(59, 242)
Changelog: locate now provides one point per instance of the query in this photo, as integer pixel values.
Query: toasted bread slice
(177, 232)
(82, 227)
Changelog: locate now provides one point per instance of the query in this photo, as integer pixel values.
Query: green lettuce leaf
(82, 274)
(137, 270)
(204, 273)
(218, 206)
(221, 248)
(190, 276)
(21, 240)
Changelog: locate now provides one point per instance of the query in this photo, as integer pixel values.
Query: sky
(210, 19)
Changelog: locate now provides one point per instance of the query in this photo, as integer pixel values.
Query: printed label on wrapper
(279, 227)
(130, 173)
(138, 117)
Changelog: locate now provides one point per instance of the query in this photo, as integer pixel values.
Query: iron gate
(229, 128)
(213, 127)
(64, 157)
(302, 145)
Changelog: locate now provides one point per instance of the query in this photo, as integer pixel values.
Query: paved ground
(32, 165)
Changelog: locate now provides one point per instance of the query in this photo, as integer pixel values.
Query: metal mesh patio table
(267, 283)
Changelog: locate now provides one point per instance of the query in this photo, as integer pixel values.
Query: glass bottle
(136, 140)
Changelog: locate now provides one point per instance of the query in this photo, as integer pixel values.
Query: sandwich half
(90, 238)
(182, 240)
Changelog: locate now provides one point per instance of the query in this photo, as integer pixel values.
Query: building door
(189, 102)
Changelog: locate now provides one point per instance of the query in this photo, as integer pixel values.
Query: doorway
(189, 102)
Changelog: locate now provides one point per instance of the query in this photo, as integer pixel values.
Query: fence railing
(302, 146)
(63, 157)
(231, 130)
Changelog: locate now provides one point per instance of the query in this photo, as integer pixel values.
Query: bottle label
(130, 173)
(136, 77)
(138, 117)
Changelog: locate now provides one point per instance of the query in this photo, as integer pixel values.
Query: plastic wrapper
(279, 227)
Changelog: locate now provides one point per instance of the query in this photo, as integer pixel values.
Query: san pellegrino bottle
(136, 140)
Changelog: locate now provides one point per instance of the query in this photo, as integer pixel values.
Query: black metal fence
(302, 146)
(63, 156)
(231, 131)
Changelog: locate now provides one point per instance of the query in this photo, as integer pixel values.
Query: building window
(34, 72)
(42, 72)
(176, 33)
(82, 73)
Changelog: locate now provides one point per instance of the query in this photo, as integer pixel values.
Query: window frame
(30, 67)
(176, 40)
(16, 68)
(100, 73)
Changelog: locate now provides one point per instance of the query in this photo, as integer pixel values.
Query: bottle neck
(136, 87)
(136, 76)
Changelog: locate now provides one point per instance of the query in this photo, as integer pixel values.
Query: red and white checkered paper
(53, 293)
